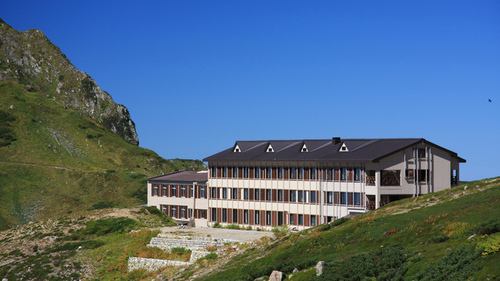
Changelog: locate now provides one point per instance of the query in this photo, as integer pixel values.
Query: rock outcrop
(30, 58)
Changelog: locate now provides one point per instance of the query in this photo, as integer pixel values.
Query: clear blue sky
(199, 75)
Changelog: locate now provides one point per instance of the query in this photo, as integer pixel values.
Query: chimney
(336, 140)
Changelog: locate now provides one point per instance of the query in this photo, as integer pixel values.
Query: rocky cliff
(31, 59)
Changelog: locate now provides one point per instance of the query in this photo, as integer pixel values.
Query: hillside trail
(41, 165)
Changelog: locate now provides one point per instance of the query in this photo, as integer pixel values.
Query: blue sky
(199, 75)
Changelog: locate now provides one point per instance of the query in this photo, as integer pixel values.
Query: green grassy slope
(54, 159)
(424, 238)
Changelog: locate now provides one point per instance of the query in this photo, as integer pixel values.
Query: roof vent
(304, 148)
(236, 149)
(336, 140)
(343, 148)
(270, 148)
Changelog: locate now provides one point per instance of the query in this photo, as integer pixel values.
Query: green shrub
(102, 205)
(439, 238)
(111, 225)
(217, 225)
(489, 227)
(457, 265)
(211, 256)
(180, 251)
(327, 226)
(233, 226)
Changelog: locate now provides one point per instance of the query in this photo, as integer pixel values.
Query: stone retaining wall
(152, 264)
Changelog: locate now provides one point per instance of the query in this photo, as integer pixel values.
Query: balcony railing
(370, 180)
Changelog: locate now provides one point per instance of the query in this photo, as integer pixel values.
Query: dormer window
(237, 149)
(304, 148)
(343, 148)
(270, 148)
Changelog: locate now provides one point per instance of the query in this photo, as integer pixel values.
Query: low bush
(180, 251)
(102, 205)
(489, 227)
(111, 225)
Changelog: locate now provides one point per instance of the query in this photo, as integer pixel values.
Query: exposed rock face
(29, 58)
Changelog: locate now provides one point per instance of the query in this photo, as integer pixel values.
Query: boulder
(319, 268)
(276, 276)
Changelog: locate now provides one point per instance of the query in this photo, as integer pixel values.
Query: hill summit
(65, 145)
(31, 59)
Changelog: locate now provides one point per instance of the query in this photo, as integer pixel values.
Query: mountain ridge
(30, 58)
(64, 144)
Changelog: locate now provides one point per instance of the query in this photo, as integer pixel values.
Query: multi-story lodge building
(303, 183)
(181, 195)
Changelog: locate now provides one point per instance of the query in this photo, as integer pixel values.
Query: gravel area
(243, 236)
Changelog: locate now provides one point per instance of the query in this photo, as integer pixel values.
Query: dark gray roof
(182, 176)
(326, 150)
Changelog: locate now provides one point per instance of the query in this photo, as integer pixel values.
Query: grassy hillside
(54, 159)
(449, 235)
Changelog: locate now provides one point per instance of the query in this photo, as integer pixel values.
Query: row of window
(263, 218)
(304, 173)
(183, 212)
(258, 194)
(172, 190)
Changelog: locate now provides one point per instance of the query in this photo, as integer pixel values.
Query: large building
(303, 183)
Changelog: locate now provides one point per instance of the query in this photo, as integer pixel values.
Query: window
(174, 212)
(257, 194)
(293, 197)
(313, 174)
(214, 192)
(202, 192)
(235, 215)
(343, 198)
(224, 172)
(280, 195)
(268, 217)
(292, 173)
(280, 172)
(245, 216)
(164, 209)
(357, 174)
(235, 193)
(344, 148)
(183, 191)
(224, 193)
(235, 172)
(174, 190)
(422, 175)
(236, 149)
(214, 171)
(409, 173)
(183, 212)
(257, 172)
(390, 177)
(313, 220)
(301, 219)
(224, 215)
(203, 214)
(257, 217)
(268, 194)
(164, 191)
(357, 198)
(301, 196)
(343, 175)
(155, 190)
(421, 152)
(301, 173)
(192, 192)
(269, 172)
(270, 148)
(291, 220)
(245, 172)
(312, 197)
(245, 193)
(329, 197)
(280, 218)
(327, 175)
(214, 214)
